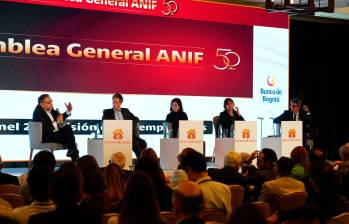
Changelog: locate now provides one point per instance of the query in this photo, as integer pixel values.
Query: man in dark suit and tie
(297, 112)
(53, 127)
(118, 113)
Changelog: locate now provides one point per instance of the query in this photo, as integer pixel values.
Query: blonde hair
(119, 159)
(232, 159)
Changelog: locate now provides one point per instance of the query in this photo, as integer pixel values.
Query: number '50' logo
(171, 7)
(229, 58)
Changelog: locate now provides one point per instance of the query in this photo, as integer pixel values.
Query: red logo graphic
(271, 80)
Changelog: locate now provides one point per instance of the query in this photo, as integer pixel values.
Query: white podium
(245, 140)
(117, 137)
(190, 135)
(291, 137)
(222, 146)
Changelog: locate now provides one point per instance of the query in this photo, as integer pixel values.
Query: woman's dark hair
(226, 101)
(179, 102)
(139, 204)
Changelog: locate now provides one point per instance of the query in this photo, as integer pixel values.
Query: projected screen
(85, 57)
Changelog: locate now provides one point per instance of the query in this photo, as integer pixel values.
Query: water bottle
(165, 129)
(220, 131)
(231, 134)
(97, 132)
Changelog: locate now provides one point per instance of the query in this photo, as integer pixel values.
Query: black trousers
(65, 136)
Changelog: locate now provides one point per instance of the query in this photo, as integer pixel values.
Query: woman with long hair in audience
(139, 203)
(300, 170)
(115, 181)
(163, 192)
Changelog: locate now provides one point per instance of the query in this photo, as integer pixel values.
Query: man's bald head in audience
(188, 199)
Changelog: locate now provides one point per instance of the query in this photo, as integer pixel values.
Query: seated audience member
(115, 181)
(216, 195)
(163, 192)
(273, 189)
(87, 165)
(119, 159)
(188, 203)
(343, 169)
(266, 160)
(64, 187)
(248, 214)
(94, 201)
(118, 113)
(229, 174)
(7, 178)
(323, 201)
(5, 209)
(300, 170)
(139, 203)
(53, 127)
(38, 179)
(43, 158)
(150, 153)
(176, 115)
(179, 175)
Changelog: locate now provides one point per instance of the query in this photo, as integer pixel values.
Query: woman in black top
(176, 114)
(229, 115)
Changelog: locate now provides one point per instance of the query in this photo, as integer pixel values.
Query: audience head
(87, 164)
(299, 155)
(194, 164)
(295, 105)
(119, 159)
(115, 182)
(344, 152)
(284, 166)
(150, 153)
(117, 101)
(72, 167)
(181, 155)
(176, 105)
(188, 199)
(317, 156)
(45, 102)
(266, 159)
(65, 188)
(232, 159)
(139, 203)
(44, 158)
(152, 168)
(38, 183)
(323, 177)
(229, 104)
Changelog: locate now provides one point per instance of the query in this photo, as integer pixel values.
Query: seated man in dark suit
(7, 178)
(297, 112)
(118, 113)
(53, 127)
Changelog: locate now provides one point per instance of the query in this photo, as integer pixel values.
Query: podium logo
(271, 80)
(246, 133)
(292, 133)
(118, 134)
(191, 133)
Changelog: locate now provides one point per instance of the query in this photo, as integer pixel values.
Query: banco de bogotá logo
(271, 80)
